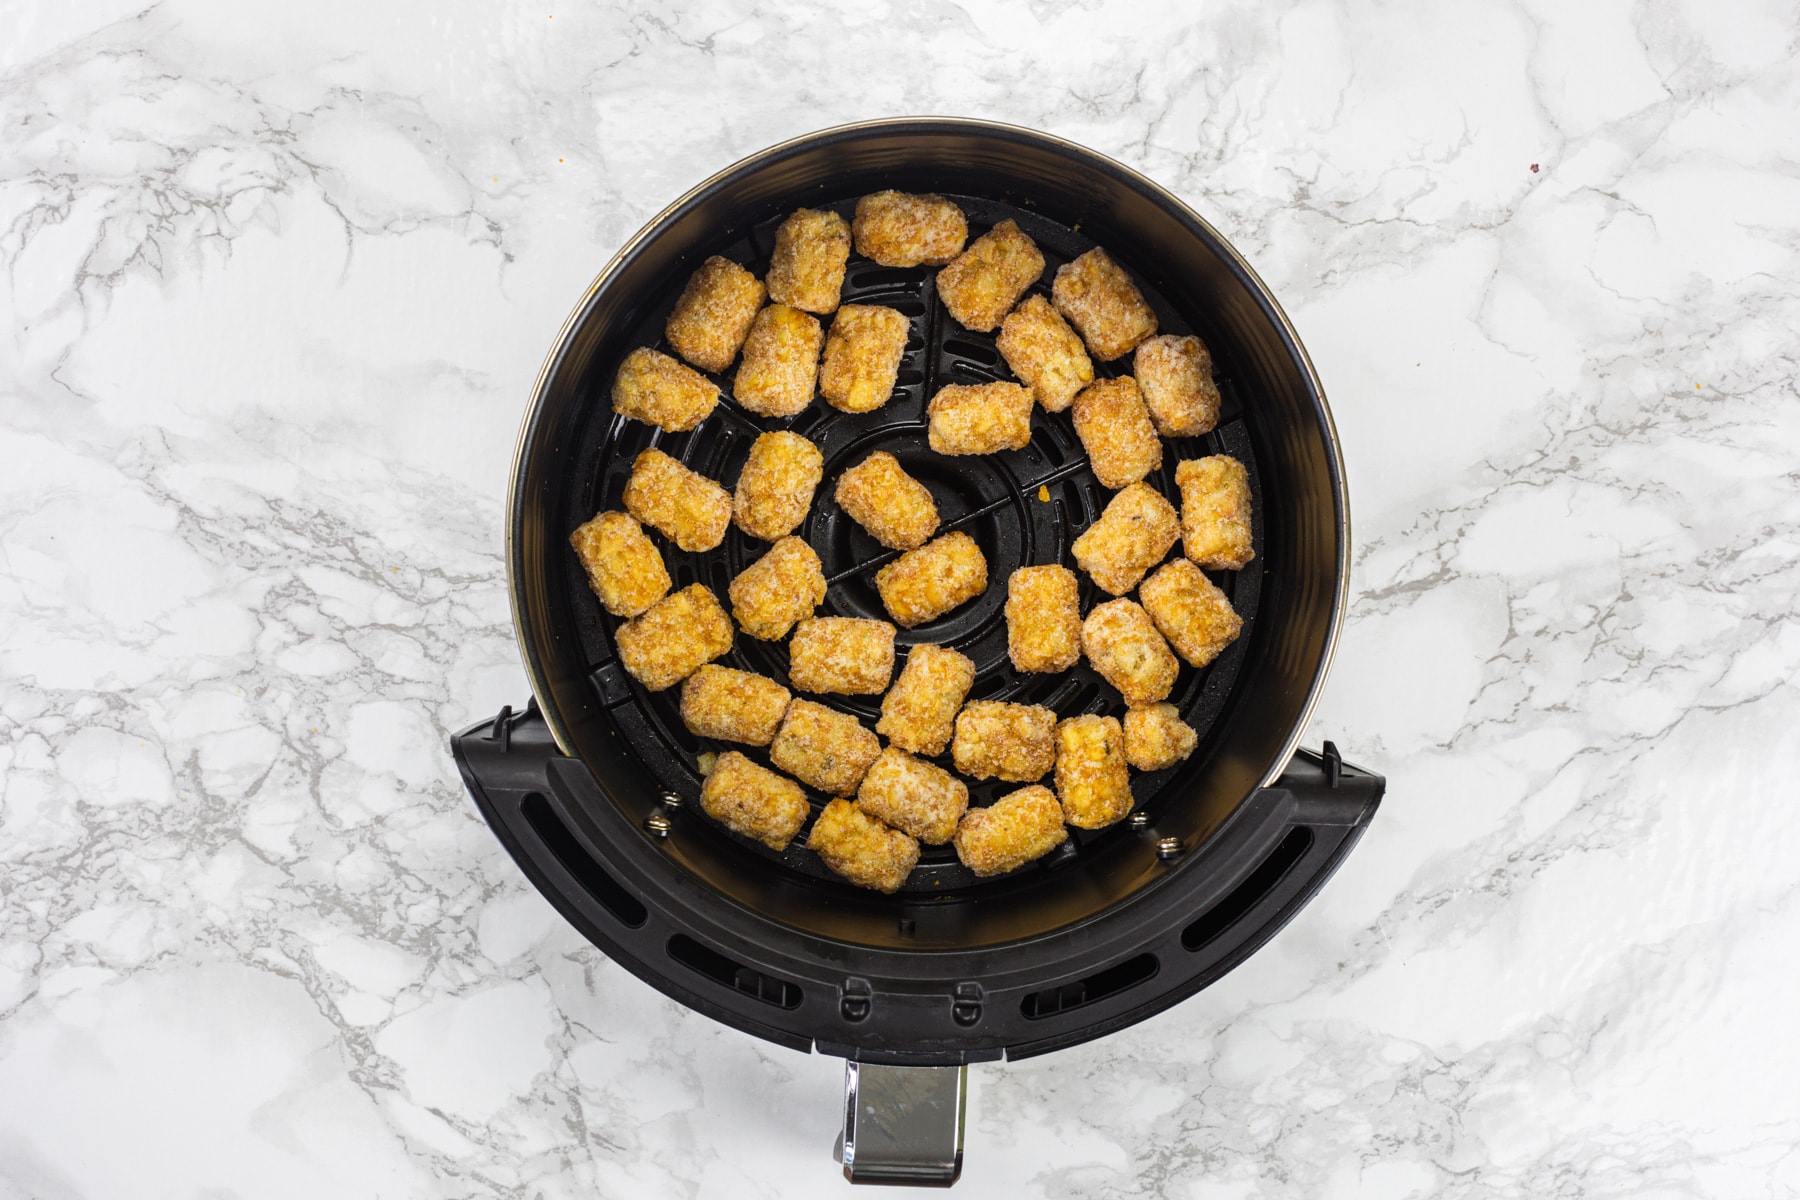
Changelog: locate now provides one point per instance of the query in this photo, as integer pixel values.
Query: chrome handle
(903, 1125)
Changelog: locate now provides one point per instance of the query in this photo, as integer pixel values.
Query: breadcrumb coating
(711, 318)
(997, 740)
(653, 388)
(1196, 617)
(1043, 351)
(917, 798)
(862, 357)
(1122, 643)
(983, 418)
(807, 268)
(623, 566)
(775, 488)
(924, 584)
(862, 849)
(1100, 300)
(898, 229)
(1215, 512)
(919, 711)
(781, 362)
(851, 656)
(895, 509)
(1092, 780)
(1043, 619)
(754, 801)
(732, 705)
(980, 286)
(1175, 376)
(1018, 828)
(782, 587)
(1115, 429)
(1134, 533)
(1156, 737)
(823, 747)
(674, 637)
(683, 505)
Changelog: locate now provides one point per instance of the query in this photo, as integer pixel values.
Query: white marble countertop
(277, 281)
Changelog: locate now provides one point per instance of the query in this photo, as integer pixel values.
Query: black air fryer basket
(593, 788)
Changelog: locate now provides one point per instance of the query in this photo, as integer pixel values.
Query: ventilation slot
(579, 863)
(1246, 895)
(715, 966)
(1095, 988)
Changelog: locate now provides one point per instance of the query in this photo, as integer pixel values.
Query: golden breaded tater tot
(847, 655)
(1215, 512)
(919, 711)
(1122, 643)
(709, 321)
(732, 705)
(901, 230)
(896, 509)
(622, 564)
(1191, 613)
(862, 357)
(1100, 300)
(781, 362)
(807, 268)
(996, 740)
(924, 584)
(1133, 534)
(1115, 429)
(776, 486)
(981, 418)
(1175, 376)
(653, 388)
(1043, 619)
(1091, 777)
(1018, 828)
(823, 747)
(684, 506)
(754, 801)
(915, 797)
(1156, 737)
(783, 586)
(980, 286)
(674, 637)
(862, 849)
(1042, 350)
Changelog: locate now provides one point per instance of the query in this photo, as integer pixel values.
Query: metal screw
(1168, 847)
(670, 800)
(1140, 821)
(658, 825)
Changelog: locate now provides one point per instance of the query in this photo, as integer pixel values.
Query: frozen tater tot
(781, 362)
(775, 488)
(623, 566)
(983, 418)
(862, 357)
(1043, 619)
(851, 656)
(783, 586)
(684, 506)
(1092, 780)
(1122, 643)
(1100, 300)
(898, 229)
(919, 711)
(1115, 429)
(1175, 376)
(1215, 512)
(732, 705)
(710, 320)
(915, 797)
(824, 747)
(1133, 534)
(754, 801)
(674, 637)
(895, 509)
(924, 584)
(1043, 351)
(653, 388)
(862, 849)
(1018, 828)
(1190, 612)
(980, 286)
(807, 268)
(1156, 737)
(997, 740)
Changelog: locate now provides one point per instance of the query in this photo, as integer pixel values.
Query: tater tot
(1175, 376)
(1157, 738)
(1100, 300)
(981, 418)
(896, 509)
(783, 586)
(913, 796)
(924, 584)
(623, 566)
(754, 801)
(1133, 534)
(1190, 612)
(775, 488)
(807, 268)
(1115, 429)
(653, 388)
(709, 321)
(919, 711)
(1092, 780)
(980, 286)
(1122, 643)
(862, 849)
(847, 655)
(1018, 828)
(862, 357)
(674, 637)
(1043, 619)
(684, 506)
(996, 740)
(732, 705)
(1043, 351)
(897, 229)
(828, 749)
(1215, 512)
(781, 362)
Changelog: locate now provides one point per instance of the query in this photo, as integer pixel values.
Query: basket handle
(903, 1125)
